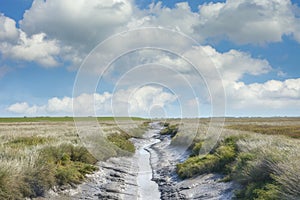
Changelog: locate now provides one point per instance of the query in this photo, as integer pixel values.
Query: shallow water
(147, 189)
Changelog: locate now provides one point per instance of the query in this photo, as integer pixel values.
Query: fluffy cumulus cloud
(255, 21)
(78, 23)
(234, 64)
(8, 30)
(62, 30)
(179, 18)
(16, 44)
(67, 31)
(137, 101)
(23, 108)
(36, 48)
(146, 97)
(272, 94)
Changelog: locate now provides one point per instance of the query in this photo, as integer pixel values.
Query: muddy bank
(148, 174)
(164, 160)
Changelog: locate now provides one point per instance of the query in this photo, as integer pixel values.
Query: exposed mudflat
(148, 174)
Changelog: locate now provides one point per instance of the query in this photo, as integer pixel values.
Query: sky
(150, 58)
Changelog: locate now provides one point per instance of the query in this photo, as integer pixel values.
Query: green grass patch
(65, 164)
(36, 119)
(255, 173)
(218, 160)
(256, 176)
(122, 141)
(169, 129)
(288, 130)
(21, 142)
(10, 185)
(196, 148)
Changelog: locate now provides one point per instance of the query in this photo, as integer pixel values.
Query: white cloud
(36, 48)
(56, 105)
(244, 21)
(234, 64)
(132, 101)
(77, 23)
(86, 23)
(8, 30)
(186, 81)
(272, 94)
(67, 31)
(179, 18)
(61, 30)
(23, 108)
(146, 97)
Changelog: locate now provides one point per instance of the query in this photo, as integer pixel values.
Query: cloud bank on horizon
(252, 43)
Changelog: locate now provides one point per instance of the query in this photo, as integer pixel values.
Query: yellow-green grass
(169, 129)
(122, 141)
(218, 160)
(52, 165)
(65, 119)
(287, 130)
(38, 155)
(28, 141)
(267, 166)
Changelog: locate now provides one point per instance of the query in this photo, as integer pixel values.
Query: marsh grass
(169, 129)
(66, 119)
(36, 156)
(287, 130)
(262, 166)
(122, 141)
(264, 161)
(218, 160)
(22, 142)
(277, 159)
(65, 164)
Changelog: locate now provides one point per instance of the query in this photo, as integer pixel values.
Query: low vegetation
(266, 165)
(218, 160)
(169, 129)
(65, 164)
(39, 154)
(288, 130)
(65, 119)
(122, 141)
(22, 142)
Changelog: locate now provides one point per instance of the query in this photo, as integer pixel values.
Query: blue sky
(254, 45)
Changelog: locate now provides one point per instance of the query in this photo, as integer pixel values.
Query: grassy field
(287, 130)
(261, 154)
(64, 119)
(37, 154)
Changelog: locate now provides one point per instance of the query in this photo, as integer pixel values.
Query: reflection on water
(148, 189)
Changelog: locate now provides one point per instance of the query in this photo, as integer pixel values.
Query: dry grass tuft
(265, 163)
(38, 155)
